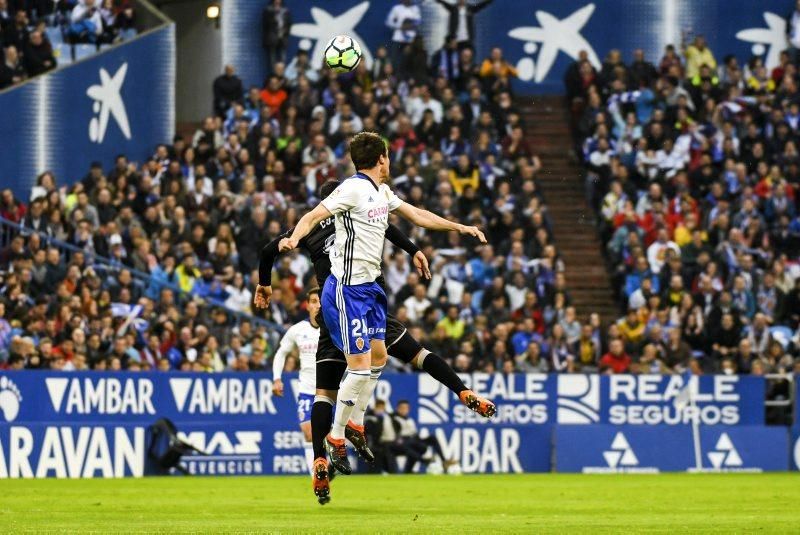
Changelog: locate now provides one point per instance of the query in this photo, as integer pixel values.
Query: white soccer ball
(342, 53)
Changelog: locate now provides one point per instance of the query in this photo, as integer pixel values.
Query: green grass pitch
(723, 503)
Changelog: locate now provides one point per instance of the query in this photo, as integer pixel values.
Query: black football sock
(321, 420)
(437, 368)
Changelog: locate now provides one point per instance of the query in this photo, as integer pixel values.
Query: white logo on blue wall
(578, 399)
(551, 37)
(724, 454)
(434, 401)
(770, 40)
(108, 102)
(10, 399)
(326, 26)
(621, 454)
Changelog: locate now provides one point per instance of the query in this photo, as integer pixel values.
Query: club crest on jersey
(360, 343)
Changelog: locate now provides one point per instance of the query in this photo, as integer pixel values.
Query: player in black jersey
(331, 363)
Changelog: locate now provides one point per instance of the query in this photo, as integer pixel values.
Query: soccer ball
(342, 53)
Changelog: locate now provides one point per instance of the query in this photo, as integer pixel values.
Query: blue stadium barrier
(234, 418)
(653, 449)
(540, 39)
(118, 101)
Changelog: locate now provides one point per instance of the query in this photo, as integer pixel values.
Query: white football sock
(357, 416)
(352, 385)
(309, 448)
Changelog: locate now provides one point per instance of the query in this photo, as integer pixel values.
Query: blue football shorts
(354, 314)
(304, 403)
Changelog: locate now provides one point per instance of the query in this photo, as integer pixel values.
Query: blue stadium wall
(54, 122)
(547, 34)
(97, 425)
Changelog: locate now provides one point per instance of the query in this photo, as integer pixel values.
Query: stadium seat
(63, 53)
(55, 36)
(782, 334)
(84, 51)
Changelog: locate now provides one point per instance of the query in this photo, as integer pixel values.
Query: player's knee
(326, 396)
(359, 362)
(419, 358)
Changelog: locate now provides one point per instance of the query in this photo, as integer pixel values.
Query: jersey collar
(365, 177)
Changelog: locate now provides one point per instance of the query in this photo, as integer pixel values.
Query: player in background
(303, 336)
(331, 363)
(353, 303)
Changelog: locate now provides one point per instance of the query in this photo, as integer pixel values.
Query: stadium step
(561, 182)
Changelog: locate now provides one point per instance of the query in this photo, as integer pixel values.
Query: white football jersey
(305, 337)
(362, 216)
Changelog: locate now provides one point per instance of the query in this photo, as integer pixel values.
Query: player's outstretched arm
(304, 226)
(429, 220)
(269, 252)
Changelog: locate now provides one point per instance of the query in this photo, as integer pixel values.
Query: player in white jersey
(304, 337)
(353, 304)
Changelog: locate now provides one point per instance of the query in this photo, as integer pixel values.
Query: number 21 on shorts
(359, 331)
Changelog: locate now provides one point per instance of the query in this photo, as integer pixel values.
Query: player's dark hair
(366, 148)
(403, 402)
(314, 290)
(327, 188)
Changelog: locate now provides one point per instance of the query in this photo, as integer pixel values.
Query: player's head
(313, 303)
(369, 153)
(403, 407)
(327, 188)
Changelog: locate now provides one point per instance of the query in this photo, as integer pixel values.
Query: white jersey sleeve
(343, 198)
(394, 201)
(288, 343)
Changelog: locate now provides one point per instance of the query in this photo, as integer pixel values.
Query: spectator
(461, 20)
(276, 21)
(227, 91)
(12, 70)
(697, 55)
(86, 22)
(404, 19)
(38, 55)
(616, 360)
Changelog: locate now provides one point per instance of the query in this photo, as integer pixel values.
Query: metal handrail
(106, 264)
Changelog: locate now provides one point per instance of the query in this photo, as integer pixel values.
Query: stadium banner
(119, 101)
(599, 399)
(523, 399)
(541, 39)
(637, 449)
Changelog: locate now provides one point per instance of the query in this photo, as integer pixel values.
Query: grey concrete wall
(199, 51)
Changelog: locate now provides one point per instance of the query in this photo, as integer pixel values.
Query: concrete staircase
(561, 181)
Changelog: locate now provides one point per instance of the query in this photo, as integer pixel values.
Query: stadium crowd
(180, 234)
(28, 29)
(693, 171)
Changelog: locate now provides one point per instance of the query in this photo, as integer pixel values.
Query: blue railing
(109, 267)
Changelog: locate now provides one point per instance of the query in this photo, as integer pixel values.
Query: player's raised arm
(304, 226)
(429, 220)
